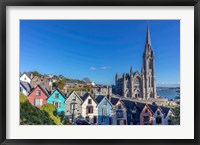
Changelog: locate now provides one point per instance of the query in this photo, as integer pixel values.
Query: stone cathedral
(139, 85)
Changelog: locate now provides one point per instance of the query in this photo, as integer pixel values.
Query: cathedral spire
(131, 70)
(148, 38)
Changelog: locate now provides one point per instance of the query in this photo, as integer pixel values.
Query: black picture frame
(5, 3)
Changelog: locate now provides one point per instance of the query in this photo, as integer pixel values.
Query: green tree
(176, 119)
(51, 110)
(36, 73)
(31, 115)
(61, 83)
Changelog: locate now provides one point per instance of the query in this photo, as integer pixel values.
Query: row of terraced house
(101, 110)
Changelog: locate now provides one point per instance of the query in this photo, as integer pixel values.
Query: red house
(38, 97)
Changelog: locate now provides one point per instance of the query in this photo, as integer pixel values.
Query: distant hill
(168, 85)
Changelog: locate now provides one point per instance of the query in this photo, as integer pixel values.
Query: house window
(104, 112)
(158, 120)
(105, 102)
(102, 119)
(124, 122)
(146, 119)
(57, 104)
(110, 121)
(21, 89)
(146, 111)
(118, 122)
(38, 102)
(38, 93)
(25, 78)
(73, 98)
(158, 112)
(89, 101)
(119, 114)
(95, 119)
(56, 95)
(169, 122)
(119, 106)
(89, 109)
(73, 106)
(134, 116)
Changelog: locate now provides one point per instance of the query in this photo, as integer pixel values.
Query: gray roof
(153, 107)
(26, 85)
(114, 101)
(100, 98)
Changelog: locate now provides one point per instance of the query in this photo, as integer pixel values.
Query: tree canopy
(31, 115)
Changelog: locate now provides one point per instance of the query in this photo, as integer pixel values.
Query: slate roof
(84, 97)
(128, 104)
(100, 98)
(59, 92)
(165, 110)
(44, 90)
(140, 106)
(114, 101)
(153, 107)
(26, 85)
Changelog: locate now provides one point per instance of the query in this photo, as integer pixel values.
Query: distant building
(102, 90)
(25, 78)
(43, 81)
(139, 85)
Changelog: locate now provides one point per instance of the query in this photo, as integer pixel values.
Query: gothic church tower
(148, 71)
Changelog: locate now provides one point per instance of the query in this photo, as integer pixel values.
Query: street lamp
(73, 104)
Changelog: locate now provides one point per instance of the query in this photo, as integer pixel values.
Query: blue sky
(99, 49)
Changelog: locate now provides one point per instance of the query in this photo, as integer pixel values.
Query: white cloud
(105, 67)
(92, 68)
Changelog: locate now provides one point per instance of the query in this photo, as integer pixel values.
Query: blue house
(58, 99)
(104, 110)
(133, 113)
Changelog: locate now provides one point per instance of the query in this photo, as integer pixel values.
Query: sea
(167, 92)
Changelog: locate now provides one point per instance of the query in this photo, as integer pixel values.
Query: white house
(25, 78)
(89, 108)
(158, 115)
(168, 114)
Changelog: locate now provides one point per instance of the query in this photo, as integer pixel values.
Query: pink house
(38, 97)
(146, 114)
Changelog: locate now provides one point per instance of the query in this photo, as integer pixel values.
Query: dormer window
(119, 106)
(146, 111)
(38, 93)
(89, 101)
(73, 98)
(105, 102)
(24, 78)
(158, 112)
(56, 95)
